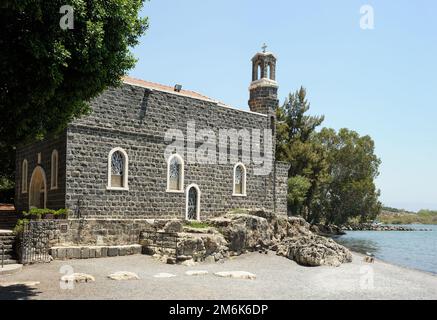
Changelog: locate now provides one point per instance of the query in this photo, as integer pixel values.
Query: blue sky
(380, 82)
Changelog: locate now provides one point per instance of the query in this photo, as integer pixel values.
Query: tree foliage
(353, 167)
(296, 146)
(331, 176)
(48, 74)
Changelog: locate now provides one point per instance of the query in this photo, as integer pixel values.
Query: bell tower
(264, 88)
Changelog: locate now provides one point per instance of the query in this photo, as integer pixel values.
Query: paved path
(276, 278)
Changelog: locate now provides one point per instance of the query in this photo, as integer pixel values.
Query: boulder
(314, 250)
(244, 231)
(173, 226)
(123, 275)
(200, 246)
(78, 277)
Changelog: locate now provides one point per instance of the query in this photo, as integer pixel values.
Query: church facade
(115, 162)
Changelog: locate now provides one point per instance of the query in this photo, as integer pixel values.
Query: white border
(193, 185)
(55, 166)
(181, 177)
(125, 170)
(38, 167)
(243, 187)
(24, 174)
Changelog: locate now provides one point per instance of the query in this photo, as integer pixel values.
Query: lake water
(412, 249)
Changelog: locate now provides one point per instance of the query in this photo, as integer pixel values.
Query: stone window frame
(187, 190)
(125, 170)
(181, 176)
(243, 187)
(54, 170)
(24, 175)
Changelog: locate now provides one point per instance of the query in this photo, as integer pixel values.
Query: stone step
(9, 261)
(9, 256)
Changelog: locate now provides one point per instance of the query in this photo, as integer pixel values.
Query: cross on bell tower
(264, 47)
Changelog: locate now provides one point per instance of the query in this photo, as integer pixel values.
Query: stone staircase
(8, 219)
(7, 241)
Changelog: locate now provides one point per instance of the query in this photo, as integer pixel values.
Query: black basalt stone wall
(136, 119)
(55, 197)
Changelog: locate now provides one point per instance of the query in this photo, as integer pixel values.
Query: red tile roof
(6, 207)
(165, 88)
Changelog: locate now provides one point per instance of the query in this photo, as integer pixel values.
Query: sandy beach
(276, 278)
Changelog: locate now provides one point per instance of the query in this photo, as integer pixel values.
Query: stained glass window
(192, 204)
(239, 180)
(175, 174)
(117, 169)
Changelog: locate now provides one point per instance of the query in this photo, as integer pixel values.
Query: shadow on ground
(18, 292)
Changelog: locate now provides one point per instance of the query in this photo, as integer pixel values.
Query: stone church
(112, 164)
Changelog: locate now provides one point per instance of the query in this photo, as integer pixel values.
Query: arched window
(192, 211)
(24, 176)
(175, 174)
(239, 180)
(117, 170)
(54, 170)
(258, 72)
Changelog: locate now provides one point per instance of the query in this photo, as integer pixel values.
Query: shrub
(197, 224)
(19, 227)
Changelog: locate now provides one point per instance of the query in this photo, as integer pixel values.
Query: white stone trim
(193, 185)
(24, 174)
(182, 175)
(125, 170)
(54, 170)
(263, 82)
(243, 187)
(45, 184)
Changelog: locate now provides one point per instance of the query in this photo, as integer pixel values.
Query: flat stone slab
(123, 275)
(189, 263)
(236, 275)
(24, 283)
(10, 269)
(86, 252)
(164, 275)
(78, 277)
(196, 272)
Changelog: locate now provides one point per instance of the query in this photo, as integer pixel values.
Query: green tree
(353, 167)
(48, 74)
(296, 145)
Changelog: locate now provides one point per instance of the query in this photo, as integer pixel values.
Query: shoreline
(276, 278)
(382, 261)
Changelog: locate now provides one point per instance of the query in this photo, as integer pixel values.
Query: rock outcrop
(256, 230)
(327, 230)
(314, 250)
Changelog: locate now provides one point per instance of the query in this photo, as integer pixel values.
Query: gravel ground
(277, 278)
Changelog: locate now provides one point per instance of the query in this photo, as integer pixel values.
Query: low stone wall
(102, 232)
(87, 252)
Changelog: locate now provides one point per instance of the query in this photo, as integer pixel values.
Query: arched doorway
(38, 189)
(193, 202)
